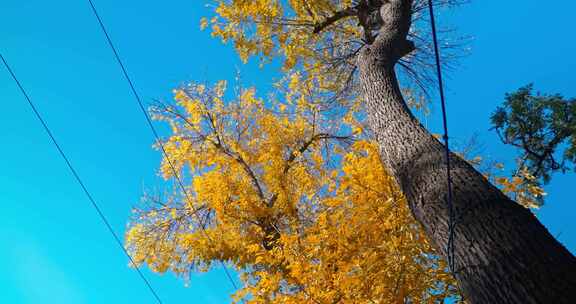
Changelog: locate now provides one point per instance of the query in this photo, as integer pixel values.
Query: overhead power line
(78, 179)
(153, 129)
(451, 223)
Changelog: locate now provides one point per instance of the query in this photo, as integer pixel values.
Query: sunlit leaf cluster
(321, 38)
(303, 209)
(520, 185)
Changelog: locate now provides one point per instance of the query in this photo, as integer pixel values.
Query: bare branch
(348, 12)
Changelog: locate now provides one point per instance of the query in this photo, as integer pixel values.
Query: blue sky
(56, 250)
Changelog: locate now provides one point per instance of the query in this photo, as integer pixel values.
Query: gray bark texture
(502, 253)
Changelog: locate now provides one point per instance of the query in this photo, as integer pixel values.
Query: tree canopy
(305, 211)
(294, 191)
(539, 126)
(319, 40)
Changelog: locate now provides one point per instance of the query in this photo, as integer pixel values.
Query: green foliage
(543, 127)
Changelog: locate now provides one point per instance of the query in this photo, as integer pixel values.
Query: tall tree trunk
(502, 253)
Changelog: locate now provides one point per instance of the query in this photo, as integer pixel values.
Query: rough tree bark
(502, 253)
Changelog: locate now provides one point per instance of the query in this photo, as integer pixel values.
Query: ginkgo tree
(349, 50)
(302, 207)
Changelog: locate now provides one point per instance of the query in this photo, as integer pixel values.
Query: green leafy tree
(542, 127)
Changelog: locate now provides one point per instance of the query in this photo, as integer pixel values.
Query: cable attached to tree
(153, 129)
(78, 179)
(451, 222)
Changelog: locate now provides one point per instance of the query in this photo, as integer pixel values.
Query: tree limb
(345, 13)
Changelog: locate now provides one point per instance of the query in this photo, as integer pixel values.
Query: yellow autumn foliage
(319, 40)
(521, 187)
(301, 207)
(268, 29)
